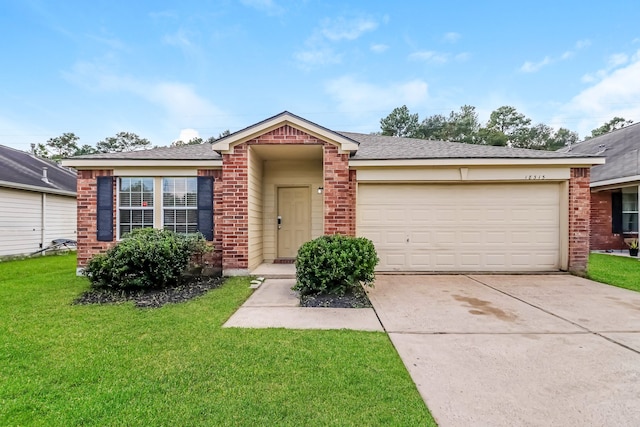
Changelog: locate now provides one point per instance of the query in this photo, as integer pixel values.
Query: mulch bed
(356, 299)
(153, 298)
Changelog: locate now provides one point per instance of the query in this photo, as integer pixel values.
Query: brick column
(88, 245)
(579, 213)
(339, 193)
(214, 258)
(235, 211)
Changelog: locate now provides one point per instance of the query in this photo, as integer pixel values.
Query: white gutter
(111, 163)
(615, 181)
(27, 187)
(566, 162)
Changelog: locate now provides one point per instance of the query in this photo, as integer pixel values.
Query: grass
(64, 364)
(614, 270)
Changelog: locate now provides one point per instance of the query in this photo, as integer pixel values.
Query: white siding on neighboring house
(60, 218)
(23, 229)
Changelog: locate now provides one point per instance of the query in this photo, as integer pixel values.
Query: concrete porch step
(275, 271)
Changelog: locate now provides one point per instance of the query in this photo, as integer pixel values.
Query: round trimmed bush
(335, 265)
(146, 258)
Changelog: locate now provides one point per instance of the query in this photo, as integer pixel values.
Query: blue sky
(159, 68)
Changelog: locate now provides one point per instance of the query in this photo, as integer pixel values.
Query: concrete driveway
(505, 350)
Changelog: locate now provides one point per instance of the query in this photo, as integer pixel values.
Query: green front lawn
(63, 364)
(615, 270)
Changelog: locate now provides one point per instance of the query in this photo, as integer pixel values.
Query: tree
(40, 150)
(62, 146)
(611, 125)
(562, 138)
(401, 123)
(222, 135)
(514, 125)
(488, 136)
(434, 127)
(539, 137)
(463, 126)
(85, 149)
(123, 141)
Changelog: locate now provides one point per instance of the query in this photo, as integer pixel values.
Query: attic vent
(44, 175)
(601, 149)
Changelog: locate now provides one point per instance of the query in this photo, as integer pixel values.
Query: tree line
(505, 127)
(67, 145)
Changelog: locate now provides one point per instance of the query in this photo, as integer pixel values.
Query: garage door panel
(466, 227)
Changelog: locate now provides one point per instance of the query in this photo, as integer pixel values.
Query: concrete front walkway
(275, 305)
(507, 350)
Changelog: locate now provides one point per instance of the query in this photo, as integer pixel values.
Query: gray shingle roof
(184, 152)
(24, 169)
(621, 149)
(378, 147)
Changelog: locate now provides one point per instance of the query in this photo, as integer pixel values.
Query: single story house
(37, 202)
(261, 192)
(614, 186)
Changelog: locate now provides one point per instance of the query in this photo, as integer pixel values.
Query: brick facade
(339, 193)
(231, 205)
(235, 209)
(602, 237)
(579, 209)
(88, 245)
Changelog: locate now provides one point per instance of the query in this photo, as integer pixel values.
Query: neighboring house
(261, 192)
(37, 202)
(614, 186)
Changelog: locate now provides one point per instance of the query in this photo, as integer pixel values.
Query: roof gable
(344, 143)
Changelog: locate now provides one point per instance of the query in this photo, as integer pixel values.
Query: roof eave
(111, 163)
(615, 182)
(36, 188)
(566, 162)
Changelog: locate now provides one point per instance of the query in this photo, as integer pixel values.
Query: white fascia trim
(113, 163)
(37, 189)
(616, 181)
(346, 145)
(571, 162)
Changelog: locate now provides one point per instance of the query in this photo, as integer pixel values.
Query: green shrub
(334, 265)
(145, 259)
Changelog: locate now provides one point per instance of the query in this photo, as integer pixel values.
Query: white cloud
(187, 135)
(616, 94)
(268, 6)
(581, 44)
(180, 101)
(613, 62)
(429, 56)
(532, 67)
(319, 48)
(451, 37)
(378, 48)
(346, 29)
(322, 56)
(357, 98)
(180, 39)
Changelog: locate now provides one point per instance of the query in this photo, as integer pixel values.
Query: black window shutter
(205, 206)
(616, 213)
(105, 209)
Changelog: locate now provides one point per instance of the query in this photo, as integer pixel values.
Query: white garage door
(462, 227)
